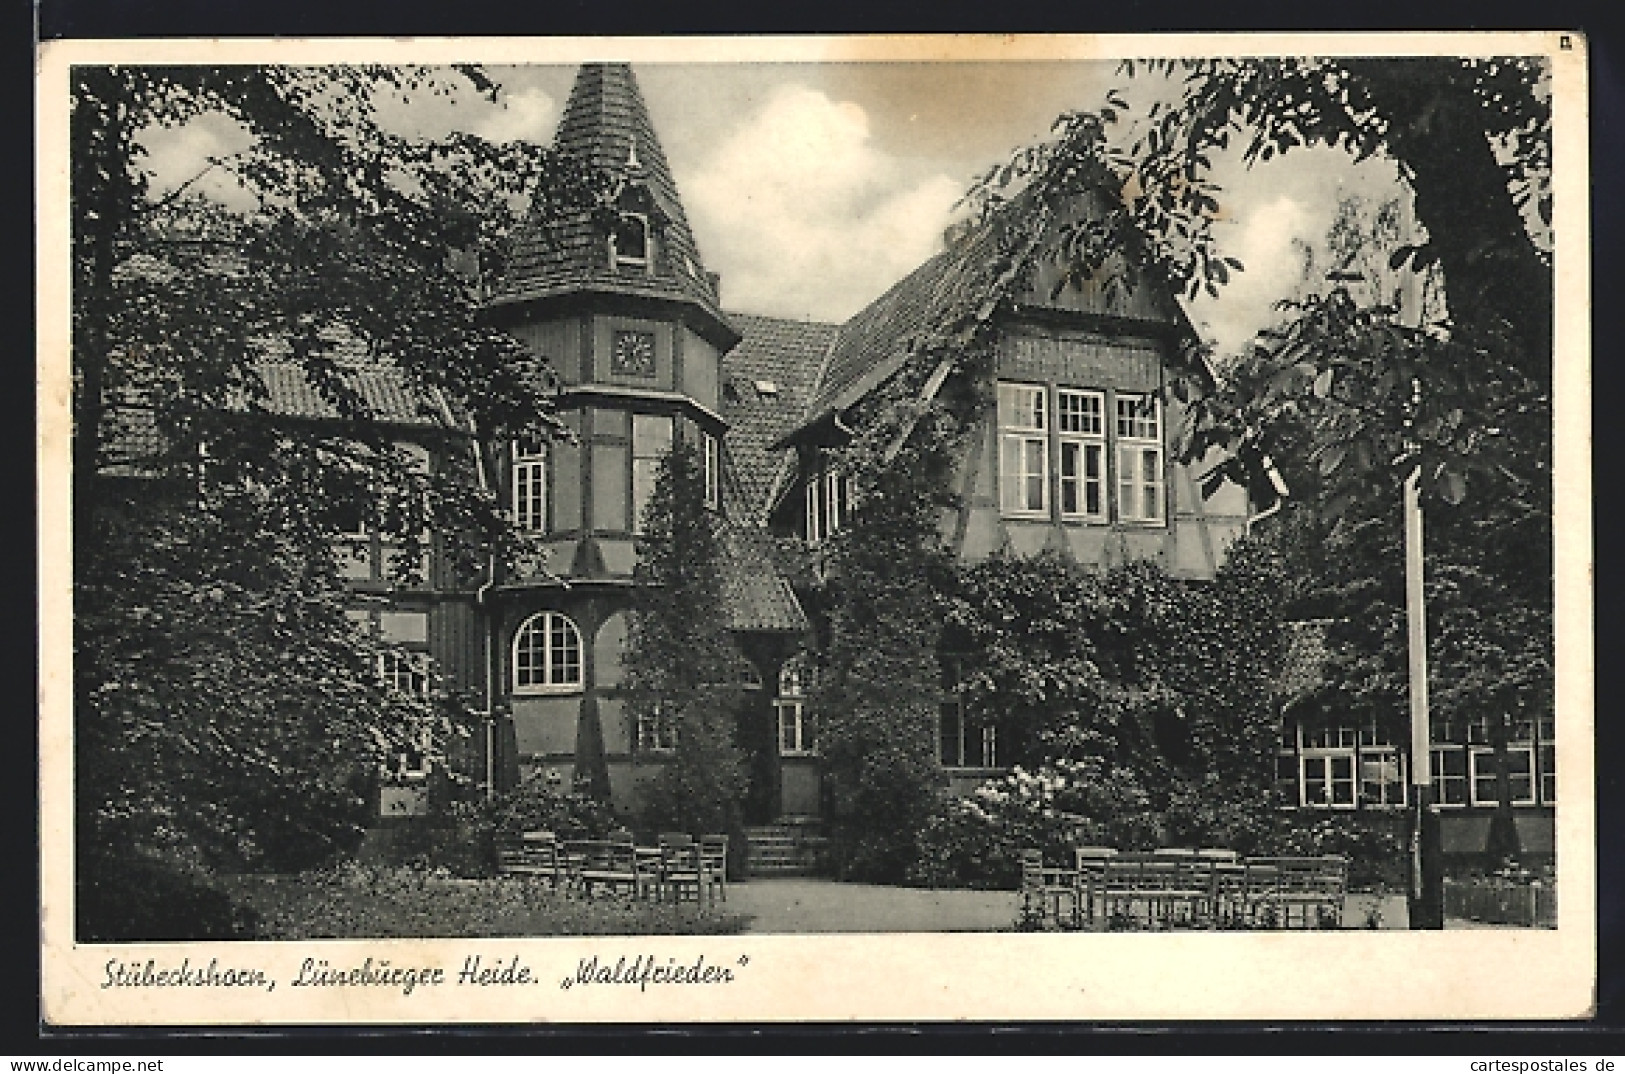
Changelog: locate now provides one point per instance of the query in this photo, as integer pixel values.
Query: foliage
(359, 902)
(681, 661)
(542, 803)
(874, 701)
(1374, 843)
(144, 897)
(224, 705)
(1130, 667)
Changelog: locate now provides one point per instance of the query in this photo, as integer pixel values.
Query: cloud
(178, 154)
(1263, 241)
(525, 112)
(805, 216)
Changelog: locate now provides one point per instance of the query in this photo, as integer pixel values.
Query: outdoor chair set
(678, 868)
(1181, 888)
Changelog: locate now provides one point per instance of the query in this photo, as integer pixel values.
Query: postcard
(815, 529)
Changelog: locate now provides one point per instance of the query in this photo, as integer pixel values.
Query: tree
(225, 710)
(681, 663)
(1367, 392)
(874, 701)
(1325, 391)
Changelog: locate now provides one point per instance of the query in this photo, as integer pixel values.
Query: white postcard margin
(1459, 975)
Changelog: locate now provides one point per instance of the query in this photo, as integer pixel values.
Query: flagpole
(1425, 886)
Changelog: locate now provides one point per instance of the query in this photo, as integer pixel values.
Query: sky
(813, 187)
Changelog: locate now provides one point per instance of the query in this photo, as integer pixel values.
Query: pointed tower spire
(606, 123)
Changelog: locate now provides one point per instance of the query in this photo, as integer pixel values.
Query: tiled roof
(755, 593)
(387, 394)
(1303, 664)
(603, 120)
(132, 440)
(877, 341)
(767, 381)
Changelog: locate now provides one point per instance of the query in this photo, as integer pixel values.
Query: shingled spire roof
(607, 123)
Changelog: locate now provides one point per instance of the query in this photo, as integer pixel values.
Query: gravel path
(799, 906)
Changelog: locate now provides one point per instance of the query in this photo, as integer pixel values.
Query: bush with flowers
(977, 840)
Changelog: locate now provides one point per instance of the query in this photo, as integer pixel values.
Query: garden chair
(1159, 888)
(680, 872)
(533, 854)
(1310, 891)
(1120, 888)
(714, 866)
(1089, 864)
(1261, 906)
(1045, 889)
(612, 864)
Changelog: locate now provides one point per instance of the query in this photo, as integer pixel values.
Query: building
(1071, 456)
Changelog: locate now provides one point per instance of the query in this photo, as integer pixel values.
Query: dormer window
(629, 242)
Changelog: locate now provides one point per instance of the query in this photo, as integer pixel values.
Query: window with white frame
(1520, 760)
(1448, 773)
(711, 464)
(651, 442)
(1139, 458)
(827, 503)
(404, 671)
(1520, 774)
(1080, 421)
(547, 655)
(656, 731)
(629, 241)
(1326, 767)
(1023, 450)
(1382, 770)
(530, 488)
(790, 709)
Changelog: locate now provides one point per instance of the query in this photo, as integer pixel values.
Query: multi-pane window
(404, 671)
(1082, 453)
(1139, 458)
(790, 709)
(1382, 770)
(657, 731)
(1339, 768)
(711, 464)
(547, 655)
(529, 489)
(1520, 760)
(1448, 772)
(651, 442)
(374, 529)
(966, 737)
(967, 740)
(828, 497)
(1023, 450)
(1081, 423)
(1326, 767)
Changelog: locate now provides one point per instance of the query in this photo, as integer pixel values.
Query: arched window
(629, 241)
(547, 655)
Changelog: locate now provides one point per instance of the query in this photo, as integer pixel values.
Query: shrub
(542, 803)
(977, 840)
(156, 898)
(1374, 843)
